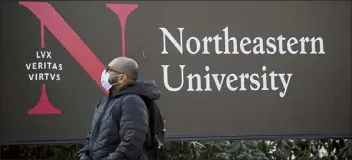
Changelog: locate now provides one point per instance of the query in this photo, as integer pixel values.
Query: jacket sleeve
(84, 152)
(133, 129)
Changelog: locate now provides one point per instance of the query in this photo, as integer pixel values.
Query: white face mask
(105, 80)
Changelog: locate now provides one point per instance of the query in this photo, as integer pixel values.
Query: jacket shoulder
(131, 97)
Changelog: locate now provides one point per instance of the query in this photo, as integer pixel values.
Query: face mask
(105, 80)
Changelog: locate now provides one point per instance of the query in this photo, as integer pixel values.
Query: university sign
(227, 70)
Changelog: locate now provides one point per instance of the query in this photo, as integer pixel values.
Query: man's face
(116, 76)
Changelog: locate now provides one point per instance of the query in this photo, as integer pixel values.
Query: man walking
(121, 125)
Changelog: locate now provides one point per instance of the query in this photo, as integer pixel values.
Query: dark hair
(134, 76)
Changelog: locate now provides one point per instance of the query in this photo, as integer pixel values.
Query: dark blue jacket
(120, 124)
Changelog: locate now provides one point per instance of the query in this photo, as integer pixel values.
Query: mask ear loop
(115, 82)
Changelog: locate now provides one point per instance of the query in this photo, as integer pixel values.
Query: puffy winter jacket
(120, 124)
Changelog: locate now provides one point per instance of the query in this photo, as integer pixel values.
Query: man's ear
(123, 78)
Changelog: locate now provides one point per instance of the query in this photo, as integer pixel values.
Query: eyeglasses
(109, 69)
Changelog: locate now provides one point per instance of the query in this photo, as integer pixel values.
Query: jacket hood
(145, 88)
